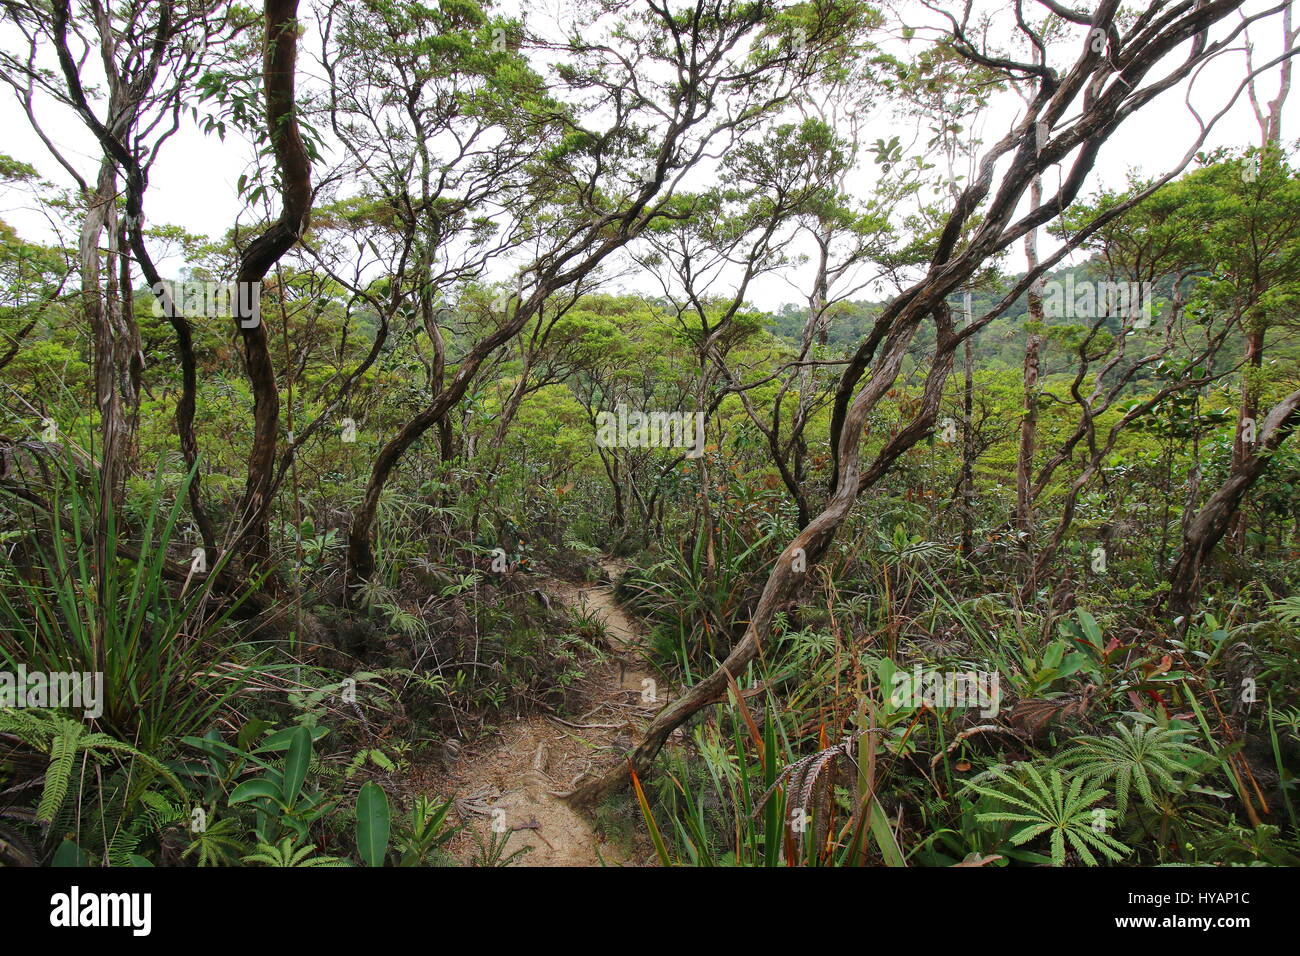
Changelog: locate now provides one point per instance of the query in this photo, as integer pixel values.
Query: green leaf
(1091, 630)
(1072, 664)
(372, 824)
(69, 854)
(249, 733)
(296, 764)
(281, 740)
(252, 789)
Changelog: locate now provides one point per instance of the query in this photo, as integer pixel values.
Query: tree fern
(1137, 756)
(1047, 807)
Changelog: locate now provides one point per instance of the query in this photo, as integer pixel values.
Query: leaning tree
(1115, 64)
(645, 95)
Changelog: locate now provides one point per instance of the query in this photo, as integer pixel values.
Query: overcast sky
(193, 184)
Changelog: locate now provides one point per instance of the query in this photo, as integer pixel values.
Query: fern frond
(58, 775)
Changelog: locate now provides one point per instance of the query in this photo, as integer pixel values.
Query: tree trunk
(1211, 523)
(808, 546)
(1247, 422)
(108, 370)
(967, 482)
(252, 537)
(1024, 521)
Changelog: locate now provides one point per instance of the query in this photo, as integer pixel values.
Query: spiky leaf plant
(285, 853)
(1138, 756)
(1048, 807)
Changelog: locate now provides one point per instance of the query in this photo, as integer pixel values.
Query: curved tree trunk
(279, 82)
(809, 545)
(896, 326)
(1215, 517)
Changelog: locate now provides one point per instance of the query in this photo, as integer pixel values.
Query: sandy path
(512, 781)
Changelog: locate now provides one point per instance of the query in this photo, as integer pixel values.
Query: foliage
(1140, 756)
(1047, 807)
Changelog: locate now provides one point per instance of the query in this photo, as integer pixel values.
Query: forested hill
(1001, 344)
(401, 466)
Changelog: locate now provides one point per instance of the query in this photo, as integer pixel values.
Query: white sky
(193, 183)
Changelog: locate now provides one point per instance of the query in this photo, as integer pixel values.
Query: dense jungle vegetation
(386, 504)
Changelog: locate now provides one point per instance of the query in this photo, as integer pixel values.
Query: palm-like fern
(1288, 719)
(63, 739)
(1048, 807)
(1287, 610)
(1137, 756)
(218, 844)
(285, 853)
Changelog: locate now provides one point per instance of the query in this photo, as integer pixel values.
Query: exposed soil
(513, 781)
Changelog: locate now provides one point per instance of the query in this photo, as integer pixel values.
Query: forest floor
(514, 781)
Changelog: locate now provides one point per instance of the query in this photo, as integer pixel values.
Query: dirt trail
(512, 781)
